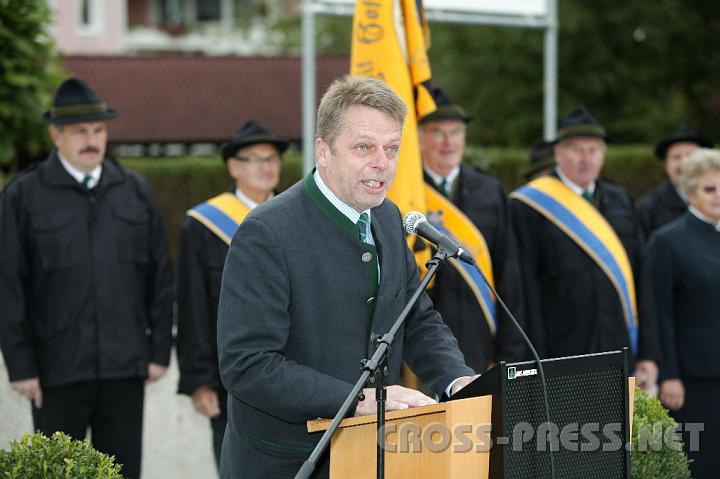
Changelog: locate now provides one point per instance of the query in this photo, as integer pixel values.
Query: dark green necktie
(444, 187)
(588, 196)
(86, 181)
(362, 225)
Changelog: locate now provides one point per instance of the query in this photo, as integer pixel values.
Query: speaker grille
(582, 398)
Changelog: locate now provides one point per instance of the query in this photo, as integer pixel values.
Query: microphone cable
(438, 239)
(535, 356)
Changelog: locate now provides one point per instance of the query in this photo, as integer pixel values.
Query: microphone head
(412, 220)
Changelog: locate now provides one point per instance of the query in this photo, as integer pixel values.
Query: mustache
(90, 149)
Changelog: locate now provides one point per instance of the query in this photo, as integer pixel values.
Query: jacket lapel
(389, 248)
(53, 174)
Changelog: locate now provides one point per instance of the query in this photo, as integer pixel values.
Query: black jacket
(200, 267)
(660, 206)
(85, 281)
(482, 198)
(572, 307)
(685, 264)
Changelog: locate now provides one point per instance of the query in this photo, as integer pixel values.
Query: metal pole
(550, 70)
(308, 86)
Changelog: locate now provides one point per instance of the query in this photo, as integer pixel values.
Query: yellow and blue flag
(390, 42)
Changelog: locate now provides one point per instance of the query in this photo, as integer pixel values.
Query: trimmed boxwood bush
(36, 456)
(654, 462)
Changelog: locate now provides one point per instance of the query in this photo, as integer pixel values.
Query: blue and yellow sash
(453, 222)
(584, 224)
(222, 215)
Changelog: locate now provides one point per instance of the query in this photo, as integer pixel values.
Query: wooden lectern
(424, 442)
(420, 442)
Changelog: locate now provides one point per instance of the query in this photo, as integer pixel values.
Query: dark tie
(588, 196)
(362, 224)
(444, 187)
(86, 181)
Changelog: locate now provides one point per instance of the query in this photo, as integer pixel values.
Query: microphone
(415, 223)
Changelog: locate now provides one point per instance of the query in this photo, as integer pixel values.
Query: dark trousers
(218, 426)
(702, 397)
(112, 409)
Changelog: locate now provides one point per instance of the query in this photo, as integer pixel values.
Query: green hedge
(180, 183)
(632, 166)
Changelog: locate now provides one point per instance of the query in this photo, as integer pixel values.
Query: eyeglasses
(257, 160)
(579, 150)
(443, 135)
(709, 189)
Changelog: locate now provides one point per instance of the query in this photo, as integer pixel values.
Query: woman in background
(684, 258)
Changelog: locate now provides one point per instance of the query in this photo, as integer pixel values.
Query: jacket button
(366, 257)
(370, 300)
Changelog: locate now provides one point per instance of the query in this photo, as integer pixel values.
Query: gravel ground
(176, 439)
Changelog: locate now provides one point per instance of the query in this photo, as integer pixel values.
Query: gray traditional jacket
(299, 309)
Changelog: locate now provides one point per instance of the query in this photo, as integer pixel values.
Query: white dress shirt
(247, 201)
(577, 189)
(80, 175)
(449, 179)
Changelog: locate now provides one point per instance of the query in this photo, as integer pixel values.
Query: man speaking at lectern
(312, 278)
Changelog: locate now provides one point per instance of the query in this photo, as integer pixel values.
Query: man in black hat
(253, 160)
(85, 284)
(482, 199)
(580, 247)
(542, 161)
(665, 202)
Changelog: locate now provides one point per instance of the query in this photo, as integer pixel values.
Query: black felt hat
(251, 133)
(76, 102)
(579, 122)
(541, 156)
(683, 133)
(446, 109)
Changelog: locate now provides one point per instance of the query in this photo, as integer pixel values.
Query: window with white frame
(90, 20)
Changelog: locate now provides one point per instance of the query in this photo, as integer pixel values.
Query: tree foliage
(641, 67)
(29, 70)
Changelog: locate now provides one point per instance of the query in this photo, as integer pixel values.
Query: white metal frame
(312, 8)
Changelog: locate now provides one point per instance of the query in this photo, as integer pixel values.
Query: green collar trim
(311, 188)
(76, 110)
(580, 130)
(276, 445)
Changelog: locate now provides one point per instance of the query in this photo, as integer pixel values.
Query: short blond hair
(698, 163)
(352, 90)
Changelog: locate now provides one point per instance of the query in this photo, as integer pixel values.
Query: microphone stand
(375, 370)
